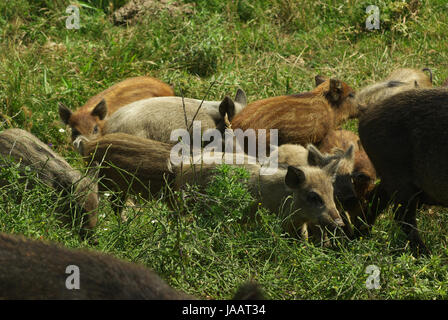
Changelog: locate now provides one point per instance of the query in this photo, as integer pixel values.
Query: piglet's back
(128, 91)
(156, 118)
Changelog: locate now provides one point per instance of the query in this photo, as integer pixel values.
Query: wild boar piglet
(159, 118)
(301, 118)
(79, 191)
(398, 81)
(88, 120)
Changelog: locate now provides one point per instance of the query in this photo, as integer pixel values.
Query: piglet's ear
(319, 79)
(227, 106)
(64, 112)
(294, 178)
(100, 110)
(360, 147)
(240, 97)
(335, 93)
(315, 157)
(350, 153)
(332, 168)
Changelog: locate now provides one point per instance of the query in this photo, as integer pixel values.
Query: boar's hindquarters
(31, 269)
(405, 138)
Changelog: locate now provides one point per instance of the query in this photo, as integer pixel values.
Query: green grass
(267, 48)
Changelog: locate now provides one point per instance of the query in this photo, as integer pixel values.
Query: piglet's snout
(334, 214)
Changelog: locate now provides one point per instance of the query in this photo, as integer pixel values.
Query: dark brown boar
(129, 165)
(405, 138)
(31, 269)
(51, 169)
(88, 120)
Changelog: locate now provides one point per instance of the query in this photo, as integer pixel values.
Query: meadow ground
(268, 48)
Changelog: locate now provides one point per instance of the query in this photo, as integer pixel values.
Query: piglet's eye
(314, 199)
(351, 95)
(95, 129)
(360, 177)
(75, 134)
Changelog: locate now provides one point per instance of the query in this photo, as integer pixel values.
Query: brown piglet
(129, 165)
(89, 119)
(301, 118)
(362, 175)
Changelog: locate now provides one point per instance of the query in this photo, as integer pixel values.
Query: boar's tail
(430, 73)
